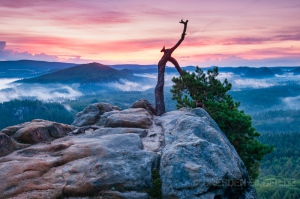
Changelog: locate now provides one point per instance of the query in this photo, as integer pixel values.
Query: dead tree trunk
(167, 56)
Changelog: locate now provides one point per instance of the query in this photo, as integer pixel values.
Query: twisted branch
(182, 35)
(159, 89)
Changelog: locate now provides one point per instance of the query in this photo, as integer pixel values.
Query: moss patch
(155, 192)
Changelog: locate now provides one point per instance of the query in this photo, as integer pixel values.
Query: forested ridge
(277, 121)
(19, 111)
(280, 171)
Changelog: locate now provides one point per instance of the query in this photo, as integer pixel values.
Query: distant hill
(278, 71)
(136, 68)
(132, 66)
(85, 73)
(241, 70)
(259, 72)
(29, 68)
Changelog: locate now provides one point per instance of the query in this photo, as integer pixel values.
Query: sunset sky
(223, 33)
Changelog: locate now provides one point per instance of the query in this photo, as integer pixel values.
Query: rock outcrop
(6, 144)
(37, 131)
(145, 104)
(92, 114)
(133, 117)
(198, 161)
(110, 153)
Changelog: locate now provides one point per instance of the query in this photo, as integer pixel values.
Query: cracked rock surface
(198, 160)
(110, 154)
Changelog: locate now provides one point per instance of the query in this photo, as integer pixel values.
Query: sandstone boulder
(36, 131)
(6, 145)
(145, 104)
(39, 131)
(10, 130)
(73, 166)
(115, 158)
(101, 122)
(91, 114)
(198, 161)
(111, 131)
(132, 118)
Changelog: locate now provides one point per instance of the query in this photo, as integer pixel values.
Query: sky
(220, 32)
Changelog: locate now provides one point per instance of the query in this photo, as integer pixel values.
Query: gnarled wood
(175, 63)
(167, 56)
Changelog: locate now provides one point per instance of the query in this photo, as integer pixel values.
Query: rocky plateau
(108, 153)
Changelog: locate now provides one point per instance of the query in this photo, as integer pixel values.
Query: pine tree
(198, 89)
(276, 195)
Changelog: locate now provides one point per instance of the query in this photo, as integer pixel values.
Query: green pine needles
(198, 89)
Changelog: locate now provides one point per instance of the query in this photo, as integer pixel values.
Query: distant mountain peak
(85, 73)
(259, 72)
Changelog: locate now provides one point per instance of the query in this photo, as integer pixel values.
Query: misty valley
(57, 91)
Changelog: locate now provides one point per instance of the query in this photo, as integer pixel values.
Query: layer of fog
(291, 102)
(126, 85)
(147, 75)
(60, 92)
(68, 108)
(238, 82)
(50, 92)
(6, 82)
(153, 77)
(241, 83)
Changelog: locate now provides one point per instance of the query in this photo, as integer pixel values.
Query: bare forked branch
(175, 63)
(167, 56)
(182, 35)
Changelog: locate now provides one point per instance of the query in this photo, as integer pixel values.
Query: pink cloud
(14, 55)
(67, 12)
(84, 17)
(2, 45)
(260, 40)
(205, 60)
(88, 46)
(151, 10)
(273, 52)
(286, 37)
(243, 40)
(251, 54)
(41, 3)
(6, 54)
(19, 3)
(254, 57)
(138, 26)
(18, 42)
